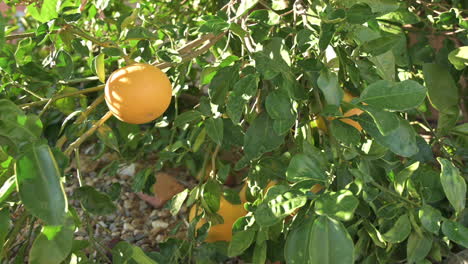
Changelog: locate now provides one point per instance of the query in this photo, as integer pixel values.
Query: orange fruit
(230, 213)
(138, 93)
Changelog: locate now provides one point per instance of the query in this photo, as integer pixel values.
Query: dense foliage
(260, 90)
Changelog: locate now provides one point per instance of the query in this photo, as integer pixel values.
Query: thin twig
(60, 96)
(213, 161)
(81, 118)
(88, 133)
(80, 80)
(189, 56)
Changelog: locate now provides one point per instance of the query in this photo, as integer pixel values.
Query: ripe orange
(230, 213)
(138, 93)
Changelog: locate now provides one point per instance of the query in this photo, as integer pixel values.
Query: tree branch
(88, 133)
(60, 96)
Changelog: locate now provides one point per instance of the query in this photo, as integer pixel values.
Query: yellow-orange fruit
(138, 93)
(230, 213)
(352, 112)
(348, 97)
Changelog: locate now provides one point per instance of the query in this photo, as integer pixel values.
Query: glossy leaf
(459, 57)
(99, 67)
(430, 218)
(39, 184)
(403, 175)
(456, 232)
(437, 76)
(400, 231)
(53, 244)
(4, 225)
(328, 84)
(93, 201)
(108, 137)
(241, 241)
(305, 167)
(214, 129)
(243, 91)
(339, 205)
(453, 183)
(177, 201)
(385, 121)
(260, 137)
(323, 241)
(211, 194)
(272, 211)
(222, 83)
(401, 141)
(418, 247)
(46, 12)
(64, 64)
(400, 96)
(7, 188)
(191, 116)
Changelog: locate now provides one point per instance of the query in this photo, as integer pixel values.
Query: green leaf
(461, 129)
(99, 67)
(177, 201)
(260, 137)
(326, 35)
(385, 64)
(344, 132)
(430, 218)
(39, 184)
(211, 194)
(328, 84)
(53, 244)
(359, 13)
(4, 225)
(214, 129)
(279, 107)
(459, 57)
(108, 137)
(241, 241)
(380, 45)
(46, 12)
(418, 247)
(400, 96)
(456, 232)
(112, 52)
(139, 33)
(271, 211)
(64, 64)
(401, 141)
(7, 188)
(453, 183)
(124, 253)
(441, 88)
(191, 116)
(243, 91)
(2, 31)
(260, 253)
(403, 176)
(305, 167)
(323, 241)
(400, 231)
(245, 6)
(222, 83)
(385, 121)
(93, 201)
(213, 25)
(339, 205)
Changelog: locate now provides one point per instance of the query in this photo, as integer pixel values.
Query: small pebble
(128, 227)
(159, 224)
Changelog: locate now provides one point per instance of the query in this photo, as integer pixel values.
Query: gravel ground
(135, 221)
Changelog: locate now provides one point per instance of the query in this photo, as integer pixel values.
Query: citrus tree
(352, 112)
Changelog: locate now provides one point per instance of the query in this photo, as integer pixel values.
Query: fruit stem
(60, 96)
(213, 161)
(81, 118)
(88, 133)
